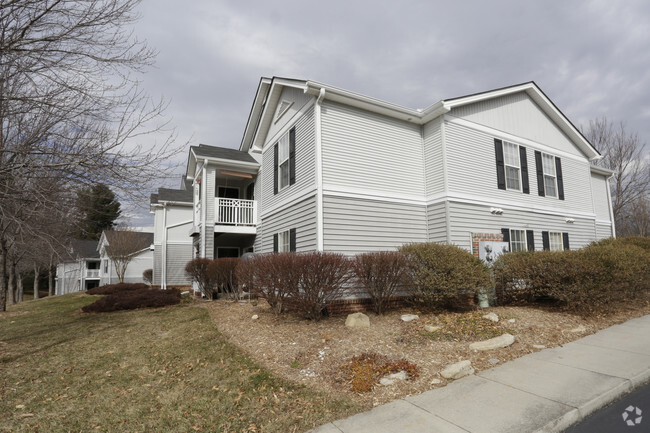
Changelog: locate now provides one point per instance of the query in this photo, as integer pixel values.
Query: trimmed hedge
(444, 276)
(135, 299)
(587, 279)
(109, 289)
(380, 276)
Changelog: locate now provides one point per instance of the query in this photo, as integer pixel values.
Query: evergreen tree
(98, 208)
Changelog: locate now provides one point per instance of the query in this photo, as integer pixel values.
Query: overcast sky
(592, 58)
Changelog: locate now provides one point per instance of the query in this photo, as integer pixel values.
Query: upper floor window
(284, 155)
(512, 166)
(548, 166)
(511, 160)
(549, 175)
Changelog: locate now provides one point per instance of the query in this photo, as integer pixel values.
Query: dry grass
(166, 370)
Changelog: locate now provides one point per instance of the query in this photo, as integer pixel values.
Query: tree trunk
(37, 271)
(11, 282)
(19, 287)
(4, 280)
(50, 282)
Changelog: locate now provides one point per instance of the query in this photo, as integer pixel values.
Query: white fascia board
(365, 102)
(276, 85)
(255, 113)
(602, 170)
(176, 203)
(249, 167)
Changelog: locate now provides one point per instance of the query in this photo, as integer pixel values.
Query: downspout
(163, 255)
(445, 179)
(611, 208)
(204, 206)
(319, 171)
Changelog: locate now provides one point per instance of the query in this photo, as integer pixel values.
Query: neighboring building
(79, 269)
(142, 260)
(321, 168)
(173, 222)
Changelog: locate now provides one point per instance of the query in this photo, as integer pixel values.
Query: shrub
(147, 276)
(639, 241)
(322, 278)
(131, 300)
(225, 276)
(109, 289)
(444, 275)
(272, 277)
(204, 273)
(364, 371)
(380, 276)
(585, 279)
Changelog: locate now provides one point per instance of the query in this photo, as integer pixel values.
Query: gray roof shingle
(222, 153)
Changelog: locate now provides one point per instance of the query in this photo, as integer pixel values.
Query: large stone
(357, 320)
(504, 340)
(457, 370)
(491, 316)
(431, 328)
(391, 378)
(409, 317)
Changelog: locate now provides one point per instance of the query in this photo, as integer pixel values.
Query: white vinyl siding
(518, 115)
(354, 225)
(555, 241)
(517, 240)
(297, 100)
(370, 152)
(433, 158)
(300, 216)
(305, 166)
(550, 181)
(471, 172)
(437, 222)
(512, 165)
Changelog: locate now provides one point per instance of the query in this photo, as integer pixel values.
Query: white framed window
(284, 242)
(555, 241)
(512, 166)
(283, 162)
(518, 240)
(550, 179)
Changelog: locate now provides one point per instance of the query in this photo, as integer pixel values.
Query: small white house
(141, 261)
(173, 221)
(79, 269)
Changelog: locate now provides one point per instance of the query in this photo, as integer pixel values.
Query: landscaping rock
(491, 316)
(391, 378)
(435, 382)
(409, 317)
(431, 328)
(255, 317)
(511, 321)
(539, 346)
(493, 361)
(457, 370)
(579, 329)
(494, 343)
(357, 320)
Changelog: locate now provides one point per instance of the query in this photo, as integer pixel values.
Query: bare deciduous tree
(122, 246)
(624, 153)
(72, 111)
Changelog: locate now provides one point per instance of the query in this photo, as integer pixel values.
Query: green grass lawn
(164, 370)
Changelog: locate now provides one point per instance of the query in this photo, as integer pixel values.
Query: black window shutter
(565, 240)
(540, 173)
(530, 240)
(560, 181)
(275, 243)
(546, 244)
(292, 240)
(524, 170)
(292, 156)
(506, 236)
(501, 171)
(275, 168)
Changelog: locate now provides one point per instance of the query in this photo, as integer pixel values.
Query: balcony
(92, 273)
(234, 215)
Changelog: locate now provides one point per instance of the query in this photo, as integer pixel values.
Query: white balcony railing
(92, 273)
(236, 212)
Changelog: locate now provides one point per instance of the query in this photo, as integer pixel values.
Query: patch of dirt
(312, 353)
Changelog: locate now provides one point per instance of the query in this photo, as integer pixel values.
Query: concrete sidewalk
(546, 391)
